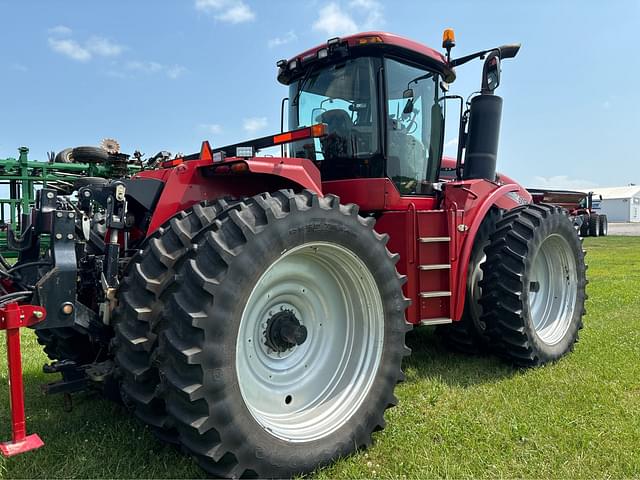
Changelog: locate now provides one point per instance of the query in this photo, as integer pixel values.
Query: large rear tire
(469, 334)
(286, 339)
(533, 291)
(140, 313)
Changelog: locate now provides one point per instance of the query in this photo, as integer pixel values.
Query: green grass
(458, 416)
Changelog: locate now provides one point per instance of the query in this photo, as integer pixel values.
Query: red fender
(498, 196)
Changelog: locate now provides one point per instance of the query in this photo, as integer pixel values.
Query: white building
(620, 204)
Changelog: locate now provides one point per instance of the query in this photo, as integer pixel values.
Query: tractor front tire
(533, 290)
(286, 337)
(469, 334)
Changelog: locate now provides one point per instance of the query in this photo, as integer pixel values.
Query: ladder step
(436, 266)
(434, 239)
(435, 321)
(435, 294)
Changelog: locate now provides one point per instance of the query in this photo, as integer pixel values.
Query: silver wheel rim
(310, 390)
(553, 289)
(476, 293)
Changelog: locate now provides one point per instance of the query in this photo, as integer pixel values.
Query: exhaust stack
(481, 155)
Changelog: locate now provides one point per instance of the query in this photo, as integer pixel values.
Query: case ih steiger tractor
(253, 309)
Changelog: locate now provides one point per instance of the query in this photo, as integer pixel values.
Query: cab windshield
(343, 96)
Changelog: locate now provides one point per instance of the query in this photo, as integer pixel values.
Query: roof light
(281, 63)
(218, 157)
(246, 152)
(333, 41)
(293, 64)
(448, 39)
(369, 40)
(323, 53)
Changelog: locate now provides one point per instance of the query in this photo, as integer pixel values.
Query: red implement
(12, 318)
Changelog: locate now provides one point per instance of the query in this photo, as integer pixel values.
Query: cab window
(415, 123)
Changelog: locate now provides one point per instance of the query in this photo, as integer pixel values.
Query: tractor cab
(379, 96)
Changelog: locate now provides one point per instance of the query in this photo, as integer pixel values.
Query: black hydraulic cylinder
(481, 155)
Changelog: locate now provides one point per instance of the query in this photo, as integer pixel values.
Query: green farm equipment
(21, 177)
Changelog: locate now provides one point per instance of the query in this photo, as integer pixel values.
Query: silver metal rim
(553, 289)
(311, 390)
(476, 293)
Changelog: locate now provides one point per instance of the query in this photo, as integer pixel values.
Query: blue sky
(161, 75)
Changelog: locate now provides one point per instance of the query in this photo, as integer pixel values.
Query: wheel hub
(284, 331)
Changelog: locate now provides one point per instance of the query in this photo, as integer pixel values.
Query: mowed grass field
(458, 416)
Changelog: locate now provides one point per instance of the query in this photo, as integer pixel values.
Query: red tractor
(253, 309)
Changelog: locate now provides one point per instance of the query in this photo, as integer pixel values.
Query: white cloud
(103, 47)
(60, 30)
(19, 67)
(230, 11)
(211, 128)
(60, 41)
(148, 67)
(174, 71)
(562, 181)
(374, 13)
(70, 48)
(288, 37)
(362, 15)
(254, 124)
(451, 145)
(334, 21)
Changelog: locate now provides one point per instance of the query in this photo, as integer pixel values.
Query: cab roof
(385, 42)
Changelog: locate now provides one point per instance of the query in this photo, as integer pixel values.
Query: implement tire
(469, 334)
(286, 337)
(533, 290)
(593, 224)
(140, 313)
(603, 226)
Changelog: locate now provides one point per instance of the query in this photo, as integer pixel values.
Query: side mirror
(408, 108)
(491, 73)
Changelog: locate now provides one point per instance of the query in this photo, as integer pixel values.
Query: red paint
(387, 39)
(193, 181)
(12, 318)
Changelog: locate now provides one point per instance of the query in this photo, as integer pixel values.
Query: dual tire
(244, 343)
(528, 303)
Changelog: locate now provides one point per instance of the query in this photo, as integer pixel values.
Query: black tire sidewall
(260, 252)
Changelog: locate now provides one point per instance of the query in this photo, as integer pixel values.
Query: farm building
(620, 204)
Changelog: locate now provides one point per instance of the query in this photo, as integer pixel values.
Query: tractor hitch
(12, 318)
(78, 378)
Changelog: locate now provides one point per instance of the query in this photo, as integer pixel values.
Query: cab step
(435, 294)
(435, 321)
